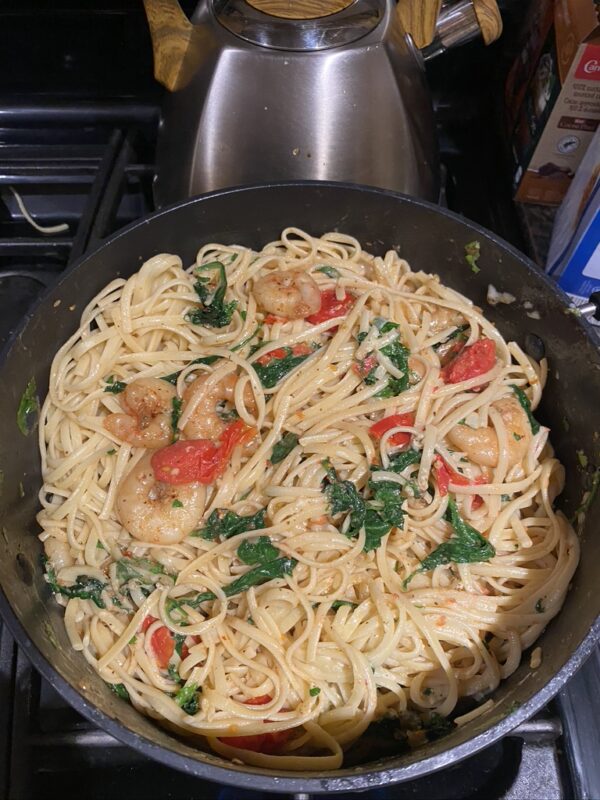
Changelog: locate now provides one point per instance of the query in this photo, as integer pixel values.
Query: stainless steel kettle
(267, 90)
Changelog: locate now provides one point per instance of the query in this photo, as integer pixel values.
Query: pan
(431, 239)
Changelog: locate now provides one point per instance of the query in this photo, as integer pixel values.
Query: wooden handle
(171, 33)
(490, 21)
(300, 9)
(419, 18)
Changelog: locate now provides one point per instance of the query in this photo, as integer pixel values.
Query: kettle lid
(299, 24)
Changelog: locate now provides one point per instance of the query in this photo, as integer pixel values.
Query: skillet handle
(463, 21)
(489, 19)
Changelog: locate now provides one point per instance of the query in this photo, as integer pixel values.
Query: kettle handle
(420, 17)
(171, 33)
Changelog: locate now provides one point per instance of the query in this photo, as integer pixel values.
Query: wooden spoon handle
(419, 18)
(489, 19)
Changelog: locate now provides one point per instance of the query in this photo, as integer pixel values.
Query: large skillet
(431, 239)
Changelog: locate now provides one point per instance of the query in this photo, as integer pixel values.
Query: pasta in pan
(292, 492)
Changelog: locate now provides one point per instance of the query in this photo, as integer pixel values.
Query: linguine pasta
(404, 567)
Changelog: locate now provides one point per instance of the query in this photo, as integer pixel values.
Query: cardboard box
(574, 255)
(552, 98)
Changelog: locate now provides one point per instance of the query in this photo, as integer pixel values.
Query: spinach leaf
(283, 447)
(245, 341)
(176, 404)
(188, 699)
(273, 371)
(472, 253)
(344, 496)
(466, 546)
(29, 409)
(331, 272)
(401, 461)
(113, 386)
(459, 334)
(172, 378)
(179, 642)
(378, 516)
(210, 288)
(258, 552)
(437, 726)
(526, 406)
(120, 690)
(223, 524)
(173, 673)
(85, 587)
(263, 573)
(339, 603)
(128, 568)
(398, 355)
(225, 412)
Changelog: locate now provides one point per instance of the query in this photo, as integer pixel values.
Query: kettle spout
(175, 43)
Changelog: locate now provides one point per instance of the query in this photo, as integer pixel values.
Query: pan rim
(248, 777)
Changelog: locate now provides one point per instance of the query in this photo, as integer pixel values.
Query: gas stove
(95, 178)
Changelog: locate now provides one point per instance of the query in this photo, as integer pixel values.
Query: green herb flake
(28, 411)
(172, 378)
(428, 691)
(177, 504)
(111, 452)
(248, 339)
(283, 447)
(582, 458)
(133, 640)
(539, 606)
(250, 621)
(589, 499)
(516, 436)
(339, 603)
(120, 690)
(331, 272)
(466, 546)
(314, 691)
(223, 524)
(526, 406)
(210, 286)
(176, 404)
(113, 386)
(472, 254)
(99, 545)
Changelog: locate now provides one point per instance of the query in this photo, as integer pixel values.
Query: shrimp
(204, 421)
(147, 404)
(155, 512)
(480, 445)
(292, 294)
(58, 553)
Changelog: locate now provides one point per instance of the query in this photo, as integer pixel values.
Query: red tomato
(365, 366)
(398, 439)
(445, 475)
(199, 460)
(472, 361)
(163, 646)
(331, 307)
(260, 743)
(279, 352)
(146, 623)
(258, 701)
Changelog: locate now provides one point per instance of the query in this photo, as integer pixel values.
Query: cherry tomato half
(472, 361)
(377, 430)
(331, 307)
